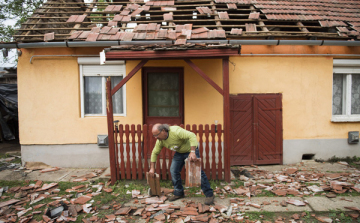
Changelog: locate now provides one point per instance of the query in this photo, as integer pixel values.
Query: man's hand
(152, 172)
(192, 157)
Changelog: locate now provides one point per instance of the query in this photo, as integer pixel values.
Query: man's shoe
(175, 197)
(209, 200)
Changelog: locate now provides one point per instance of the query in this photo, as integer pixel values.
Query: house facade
(293, 88)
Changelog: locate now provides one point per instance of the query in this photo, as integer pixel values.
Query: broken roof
(180, 20)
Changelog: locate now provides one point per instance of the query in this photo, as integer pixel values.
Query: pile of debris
(7, 163)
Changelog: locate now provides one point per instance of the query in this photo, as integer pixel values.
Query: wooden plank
(193, 173)
(207, 150)
(163, 164)
(117, 152)
(201, 146)
(127, 142)
(110, 123)
(213, 158)
(203, 75)
(116, 55)
(146, 147)
(139, 166)
(133, 149)
(226, 95)
(122, 158)
(219, 134)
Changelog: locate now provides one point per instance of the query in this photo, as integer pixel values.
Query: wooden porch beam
(203, 75)
(130, 75)
(226, 88)
(110, 123)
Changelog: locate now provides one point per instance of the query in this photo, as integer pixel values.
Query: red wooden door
(267, 129)
(241, 137)
(163, 100)
(256, 129)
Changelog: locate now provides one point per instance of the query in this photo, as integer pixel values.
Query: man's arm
(155, 152)
(152, 169)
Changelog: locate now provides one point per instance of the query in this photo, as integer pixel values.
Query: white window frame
(84, 61)
(346, 67)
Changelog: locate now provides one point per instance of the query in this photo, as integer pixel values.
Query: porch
(130, 147)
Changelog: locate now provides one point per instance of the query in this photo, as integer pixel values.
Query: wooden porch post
(226, 90)
(110, 122)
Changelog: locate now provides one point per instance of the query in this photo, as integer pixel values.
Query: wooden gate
(256, 129)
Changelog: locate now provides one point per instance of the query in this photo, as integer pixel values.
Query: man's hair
(166, 127)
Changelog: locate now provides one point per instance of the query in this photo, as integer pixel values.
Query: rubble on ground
(292, 185)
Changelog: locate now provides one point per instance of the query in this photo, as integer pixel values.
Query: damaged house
(259, 81)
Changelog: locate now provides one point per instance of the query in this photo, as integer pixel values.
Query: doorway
(256, 129)
(163, 95)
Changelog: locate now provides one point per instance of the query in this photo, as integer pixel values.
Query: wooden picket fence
(133, 146)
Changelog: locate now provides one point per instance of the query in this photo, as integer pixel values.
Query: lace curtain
(94, 98)
(337, 94)
(163, 93)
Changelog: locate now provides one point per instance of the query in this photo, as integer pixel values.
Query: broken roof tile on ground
(334, 19)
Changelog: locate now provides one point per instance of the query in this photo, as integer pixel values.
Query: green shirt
(179, 140)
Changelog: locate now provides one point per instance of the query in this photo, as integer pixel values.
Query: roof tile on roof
(136, 12)
(84, 35)
(250, 27)
(49, 36)
(223, 15)
(231, 6)
(254, 15)
(278, 18)
(168, 17)
(235, 31)
(92, 37)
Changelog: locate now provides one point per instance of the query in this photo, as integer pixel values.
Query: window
(93, 86)
(346, 91)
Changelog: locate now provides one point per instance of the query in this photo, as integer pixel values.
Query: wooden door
(241, 137)
(163, 100)
(256, 129)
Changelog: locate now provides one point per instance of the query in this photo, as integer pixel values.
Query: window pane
(163, 94)
(337, 94)
(93, 100)
(118, 96)
(355, 92)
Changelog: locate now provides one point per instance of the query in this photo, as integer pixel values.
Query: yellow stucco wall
(49, 95)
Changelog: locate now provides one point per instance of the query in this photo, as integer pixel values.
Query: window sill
(101, 115)
(345, 118)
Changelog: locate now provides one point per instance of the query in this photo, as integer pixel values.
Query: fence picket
(139, 159)
(219, 132)
(146, 147)
(207, 165)
(117, 153)
(128, 164)
(213, 163)
(121, 135)
(133, 149)
(163, 165)
(201, 147)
